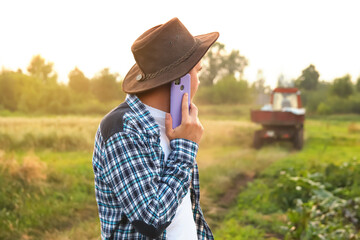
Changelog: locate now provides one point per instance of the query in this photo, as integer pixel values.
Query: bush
(232, 230)
(343, 87)
(323, 109)
(335, 104)
(355, 103)
(325, 217)
(29, 94)
(93, 106)
(321, 205)
(326, 100)
(339, 105)
(289, 188)
(311, 99)
(228, 90)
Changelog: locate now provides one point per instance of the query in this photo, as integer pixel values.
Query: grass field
(46, 179)
(260, 212)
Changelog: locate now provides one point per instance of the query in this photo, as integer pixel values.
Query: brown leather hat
(163, 54)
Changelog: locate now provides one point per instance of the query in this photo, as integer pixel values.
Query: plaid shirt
(137, 190)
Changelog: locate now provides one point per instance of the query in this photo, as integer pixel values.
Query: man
(146, 176)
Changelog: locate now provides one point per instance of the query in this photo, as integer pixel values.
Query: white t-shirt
(182, 225)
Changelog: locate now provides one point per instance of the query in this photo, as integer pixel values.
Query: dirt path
(249, 164)
(238, 184)
(228, 200)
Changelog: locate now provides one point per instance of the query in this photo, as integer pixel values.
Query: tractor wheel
(299, 139)
(257, 142)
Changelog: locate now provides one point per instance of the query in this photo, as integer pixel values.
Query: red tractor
(282, 119)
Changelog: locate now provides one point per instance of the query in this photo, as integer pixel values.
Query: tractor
(282, 119)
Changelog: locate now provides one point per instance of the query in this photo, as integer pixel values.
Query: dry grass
(77, 133)
(354, 128)
(30, 170)
(84, 230)
(57, 133)
(227, 133)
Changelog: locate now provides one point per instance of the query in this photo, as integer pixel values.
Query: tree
(357, 86)
(285, 82)
(19, 91)
(238, 89)
(228, 90)
(217, 64)
(212, 62)
(32, 90)
(55, 98)
(41, 70)
(259, 84)
(260, 91)
(78, 82)
(281, 81)
(235, 63)
(309, 78)
(10, 90)
(105, 87)
(343, 86)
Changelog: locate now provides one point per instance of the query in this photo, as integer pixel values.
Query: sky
(277, 36)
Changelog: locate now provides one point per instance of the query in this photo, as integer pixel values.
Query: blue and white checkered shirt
(137, 191)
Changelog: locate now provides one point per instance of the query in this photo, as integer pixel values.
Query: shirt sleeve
(148, 194)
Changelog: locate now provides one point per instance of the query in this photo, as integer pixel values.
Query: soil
(239, 183)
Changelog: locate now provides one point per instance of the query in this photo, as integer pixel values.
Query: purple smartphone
(177, 90)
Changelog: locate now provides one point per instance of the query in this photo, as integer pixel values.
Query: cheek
(194, 85)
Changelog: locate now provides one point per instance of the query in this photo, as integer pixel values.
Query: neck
(158, 98)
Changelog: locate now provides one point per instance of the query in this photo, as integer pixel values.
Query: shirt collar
(151, 127)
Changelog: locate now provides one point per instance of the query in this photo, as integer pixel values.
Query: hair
(153, 91)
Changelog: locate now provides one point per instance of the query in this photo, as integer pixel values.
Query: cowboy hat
(163, 54)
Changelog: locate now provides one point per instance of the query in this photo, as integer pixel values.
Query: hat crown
(161, 46)
(163, 54)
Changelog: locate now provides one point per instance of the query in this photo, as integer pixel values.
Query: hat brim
(131, 85)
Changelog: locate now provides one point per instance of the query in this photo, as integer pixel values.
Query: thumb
(168, 126)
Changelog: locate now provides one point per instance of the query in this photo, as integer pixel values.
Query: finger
(185, 108)
(200, 124)
(193, 111)
(168, 125)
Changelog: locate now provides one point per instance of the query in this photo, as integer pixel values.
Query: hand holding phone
(177, 90)
(188, 125)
